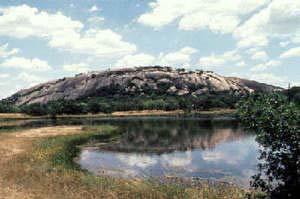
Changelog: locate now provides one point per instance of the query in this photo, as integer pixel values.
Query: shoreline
(176, 113)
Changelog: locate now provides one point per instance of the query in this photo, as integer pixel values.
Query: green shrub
(7, 107)
(276, 122)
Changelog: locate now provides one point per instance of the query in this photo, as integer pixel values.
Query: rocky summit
(136, 80)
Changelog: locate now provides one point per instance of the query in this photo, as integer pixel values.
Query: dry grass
(38, 163)
(15, 116)
(147, 112)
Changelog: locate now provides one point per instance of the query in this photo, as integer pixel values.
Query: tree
(276, 122)
(35, 109)
(55, 108)
(7, 107)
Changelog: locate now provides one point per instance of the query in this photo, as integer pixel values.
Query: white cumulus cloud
(260, 55)
(265, 66)
(270, 78)
(292, 52)
(34, 64)
(4, 75)
(5, 52)
(62, 32)
(217, 60)
(219, 15)
(278, 19)
(179, 58)
(136, 60)
(94, 8)
(95, 20)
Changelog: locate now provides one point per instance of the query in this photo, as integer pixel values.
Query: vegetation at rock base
(293, 94)
(277, 123)
(115, 103)
(8, 107)
(135, 102)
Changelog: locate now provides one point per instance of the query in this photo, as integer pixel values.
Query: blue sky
(49, 39)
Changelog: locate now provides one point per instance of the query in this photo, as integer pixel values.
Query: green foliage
(293, 94)
(34, 109)
(276, 121)
(7, 107)
(68, 149)
(121, 102)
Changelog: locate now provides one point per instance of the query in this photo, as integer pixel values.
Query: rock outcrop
(136, 80)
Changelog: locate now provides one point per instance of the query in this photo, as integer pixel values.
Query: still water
(218, 150)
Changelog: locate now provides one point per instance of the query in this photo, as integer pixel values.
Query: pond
(212, 149)
(154, 147)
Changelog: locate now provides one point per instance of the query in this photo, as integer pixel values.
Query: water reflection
(219, 150)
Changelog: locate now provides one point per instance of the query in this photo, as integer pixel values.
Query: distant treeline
(122, 102)
(293, 94)
(125, 103)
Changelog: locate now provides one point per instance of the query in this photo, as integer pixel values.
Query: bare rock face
(136, 80)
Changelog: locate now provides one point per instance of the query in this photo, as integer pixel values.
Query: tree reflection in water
(276, 122)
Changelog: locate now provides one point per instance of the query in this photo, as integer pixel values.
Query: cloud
(100, 43)
(136, 60)
(4, 52)
(292, 52)
(181, 57)
(270, 78)
(34, 64)
(284, 43)
(4, 75)
(78, 68)
(265, 66)
(62, 32)
(95, 21)
(29, 78)
(278, 19)
(24, 21)
(217, 60)
(241, 64)
(260, 55)
(295, 39)
(94, 8)
(218, 16)
(18, 81)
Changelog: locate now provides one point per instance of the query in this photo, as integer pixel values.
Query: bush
(7, 107)
(276, 122)
(34, 109)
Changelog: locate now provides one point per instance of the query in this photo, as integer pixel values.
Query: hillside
(136, 81)
(131, 89)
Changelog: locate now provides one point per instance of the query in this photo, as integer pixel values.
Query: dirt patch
(50, 131)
